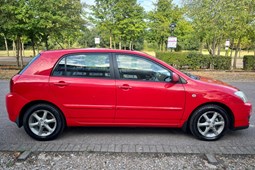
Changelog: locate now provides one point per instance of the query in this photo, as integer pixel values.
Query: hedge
(249, 62)
(194, 60)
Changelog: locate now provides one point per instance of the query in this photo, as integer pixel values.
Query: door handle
(61, 83)
(125, 87)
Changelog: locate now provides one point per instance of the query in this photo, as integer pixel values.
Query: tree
(208, 21)
(56, 16)
(39, 20)
(103, 15)
(216, 21)
(119, 21)
(243, 22)
(14, 15)
(160, 19)
(129, 22)
(3, 20)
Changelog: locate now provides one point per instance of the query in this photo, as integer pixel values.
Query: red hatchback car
(105, 87)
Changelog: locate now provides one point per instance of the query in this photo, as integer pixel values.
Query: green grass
(243, 52)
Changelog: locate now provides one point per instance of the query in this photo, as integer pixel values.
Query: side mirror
(175, 78)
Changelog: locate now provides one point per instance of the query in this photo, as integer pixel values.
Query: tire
(43, 122)
(209, 122)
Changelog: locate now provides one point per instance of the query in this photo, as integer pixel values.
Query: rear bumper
(14, 105)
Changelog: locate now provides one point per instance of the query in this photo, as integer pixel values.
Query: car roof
(61, 52)
(93, 50)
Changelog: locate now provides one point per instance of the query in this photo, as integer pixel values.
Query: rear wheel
(210, 122)
(43, 122)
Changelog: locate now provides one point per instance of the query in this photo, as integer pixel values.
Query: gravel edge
(87, 160)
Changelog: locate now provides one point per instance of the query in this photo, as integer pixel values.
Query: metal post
(172, 27)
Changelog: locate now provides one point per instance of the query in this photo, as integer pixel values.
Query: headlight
(241, 95)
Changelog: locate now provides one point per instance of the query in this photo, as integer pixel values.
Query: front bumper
(241, 128)
(242, 114)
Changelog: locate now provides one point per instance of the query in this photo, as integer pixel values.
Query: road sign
(172, 42)
(227, 44)
(97, 40)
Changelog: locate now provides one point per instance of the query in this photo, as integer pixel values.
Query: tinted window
(137, 68)
(84, 65)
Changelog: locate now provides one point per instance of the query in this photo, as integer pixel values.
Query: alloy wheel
(210, 124)
(42, 123)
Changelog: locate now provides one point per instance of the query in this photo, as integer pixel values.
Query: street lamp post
(172, 27)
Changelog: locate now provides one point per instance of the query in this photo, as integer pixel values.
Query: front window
(137, 68)
(84, 65)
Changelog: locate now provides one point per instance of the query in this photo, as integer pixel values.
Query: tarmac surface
(12, 60)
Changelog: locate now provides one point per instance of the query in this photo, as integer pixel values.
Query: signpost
(227, 45)
(97, 41)
(172, 42)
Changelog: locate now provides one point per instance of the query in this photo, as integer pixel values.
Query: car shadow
(147, 135)
(122, 130)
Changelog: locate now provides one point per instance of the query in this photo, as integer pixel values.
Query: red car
(105, 87)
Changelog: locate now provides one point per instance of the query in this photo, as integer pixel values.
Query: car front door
(145, 93)
(84, 86)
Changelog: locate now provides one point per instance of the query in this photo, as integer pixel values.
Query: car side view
(107, 87)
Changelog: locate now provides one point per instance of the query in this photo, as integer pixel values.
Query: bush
(249, 62)
(221, 62)
(194, 60)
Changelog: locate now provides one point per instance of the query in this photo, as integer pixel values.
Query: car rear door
(84, 86)
(145, 93)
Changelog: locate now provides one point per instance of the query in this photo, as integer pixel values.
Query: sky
(147, 4)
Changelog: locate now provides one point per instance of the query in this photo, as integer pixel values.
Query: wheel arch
(19, 121)
(225, 107)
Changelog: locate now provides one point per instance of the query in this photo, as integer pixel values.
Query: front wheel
(210, 122)
(43, 122)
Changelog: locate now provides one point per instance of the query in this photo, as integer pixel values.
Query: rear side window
(24, 69)
(84, 65)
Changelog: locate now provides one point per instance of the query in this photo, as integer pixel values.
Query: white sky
(147, 4)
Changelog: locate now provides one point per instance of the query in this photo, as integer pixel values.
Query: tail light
(11, 85)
